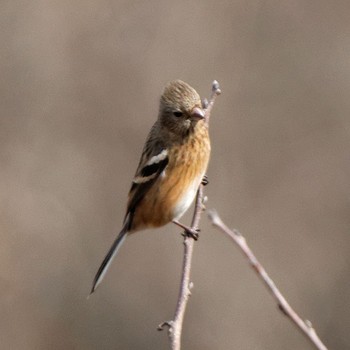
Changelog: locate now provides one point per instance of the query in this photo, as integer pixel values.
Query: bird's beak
(197, 113)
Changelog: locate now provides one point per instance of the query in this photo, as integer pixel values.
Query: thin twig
(175, 325)
(215, 91)
(304, 326)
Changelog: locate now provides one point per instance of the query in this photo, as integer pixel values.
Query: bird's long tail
(111, 254)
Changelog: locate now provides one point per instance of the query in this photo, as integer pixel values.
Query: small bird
(173, 163)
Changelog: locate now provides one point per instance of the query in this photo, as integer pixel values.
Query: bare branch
(215, 91)
(304, 326)
(175, 325)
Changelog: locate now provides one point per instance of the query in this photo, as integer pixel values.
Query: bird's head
(180, 108)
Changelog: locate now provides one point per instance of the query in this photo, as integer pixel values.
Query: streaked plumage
(173, 162)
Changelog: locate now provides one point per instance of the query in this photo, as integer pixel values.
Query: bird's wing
(153, 161)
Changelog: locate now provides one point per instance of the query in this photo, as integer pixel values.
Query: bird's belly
(175, 189)
(168, 199)
(185, 201)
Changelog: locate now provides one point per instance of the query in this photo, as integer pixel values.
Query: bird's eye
(178, 114)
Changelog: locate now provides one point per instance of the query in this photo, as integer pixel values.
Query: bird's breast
(186, 172)
(176, 187)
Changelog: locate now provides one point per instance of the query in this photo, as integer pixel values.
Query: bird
(173, 164)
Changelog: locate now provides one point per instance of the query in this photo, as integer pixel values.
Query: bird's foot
(189, 232)
(205, 180)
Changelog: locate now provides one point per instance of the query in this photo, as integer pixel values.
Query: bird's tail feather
(110, 255)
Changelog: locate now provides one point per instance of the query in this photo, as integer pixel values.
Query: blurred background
(80, 84)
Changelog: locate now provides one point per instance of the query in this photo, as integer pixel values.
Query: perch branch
(304, 326)
(175, 325)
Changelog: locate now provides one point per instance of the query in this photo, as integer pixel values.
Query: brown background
(80, 83)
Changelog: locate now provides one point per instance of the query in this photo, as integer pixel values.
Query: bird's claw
(193, 233)
(205, 180)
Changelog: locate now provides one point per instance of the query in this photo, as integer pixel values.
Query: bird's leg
(188, 230)
(205, 180)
